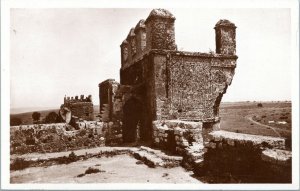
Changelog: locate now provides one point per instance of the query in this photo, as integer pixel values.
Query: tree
(51, 117)
(36, 116)
(15, 121)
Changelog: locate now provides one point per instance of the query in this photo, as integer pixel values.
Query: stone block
(218, 138)
(185, 144)
(230, 142)
(110, 124)
(213, 145)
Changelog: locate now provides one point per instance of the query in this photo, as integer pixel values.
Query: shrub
(15, 121)
(72, 156)
(19, 164)
(51, 117)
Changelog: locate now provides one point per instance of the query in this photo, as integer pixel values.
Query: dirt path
(116, 169)
(250, 118)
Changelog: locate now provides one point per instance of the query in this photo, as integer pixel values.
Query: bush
(52, 117)
(72, 156)
(14, 121)
(259, 105)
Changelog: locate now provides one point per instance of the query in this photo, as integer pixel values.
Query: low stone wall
(235, 157)
(63, 137)
(175, 135)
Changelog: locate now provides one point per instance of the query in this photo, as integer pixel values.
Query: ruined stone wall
(56, 137)
(107, 92)
(140, 77)
(189, 86)
(45, 138)
(177, 136)
(80, 107)
(169, 84)
(83, 110)
(235, 157)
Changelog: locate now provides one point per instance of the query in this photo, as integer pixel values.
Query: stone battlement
(80, 107)
(157, 32)
(77, 99)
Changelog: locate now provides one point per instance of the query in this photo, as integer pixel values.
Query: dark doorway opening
(171, 142)
(132, 111)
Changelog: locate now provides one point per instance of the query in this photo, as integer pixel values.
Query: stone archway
(132, 114)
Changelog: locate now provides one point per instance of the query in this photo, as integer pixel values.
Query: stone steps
(154, 158)
(194, 156)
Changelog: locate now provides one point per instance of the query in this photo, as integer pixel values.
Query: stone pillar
(107, 91)
(140, 37)
(225, 37)
(160, 32)
(124, 53)
(132, 44)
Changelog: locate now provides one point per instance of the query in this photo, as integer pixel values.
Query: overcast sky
(58, 52)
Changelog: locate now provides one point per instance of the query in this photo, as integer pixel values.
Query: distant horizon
(32, 109)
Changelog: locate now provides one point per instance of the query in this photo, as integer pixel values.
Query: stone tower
(160, 83)
(160, 30)
(225, 37)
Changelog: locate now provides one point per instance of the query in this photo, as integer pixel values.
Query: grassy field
(247, 117)
(241, 117)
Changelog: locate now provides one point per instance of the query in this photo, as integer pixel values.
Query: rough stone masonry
(159, 83)
(80, 107)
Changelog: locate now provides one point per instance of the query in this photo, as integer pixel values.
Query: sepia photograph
(149, 96)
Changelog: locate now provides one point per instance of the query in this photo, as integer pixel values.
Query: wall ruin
(80, 107)
(166, 84)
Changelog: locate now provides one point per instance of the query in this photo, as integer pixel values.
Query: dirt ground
(116, 169)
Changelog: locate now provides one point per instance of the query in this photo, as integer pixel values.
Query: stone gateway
(158, 82)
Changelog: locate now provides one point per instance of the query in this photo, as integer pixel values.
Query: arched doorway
(132, 113)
